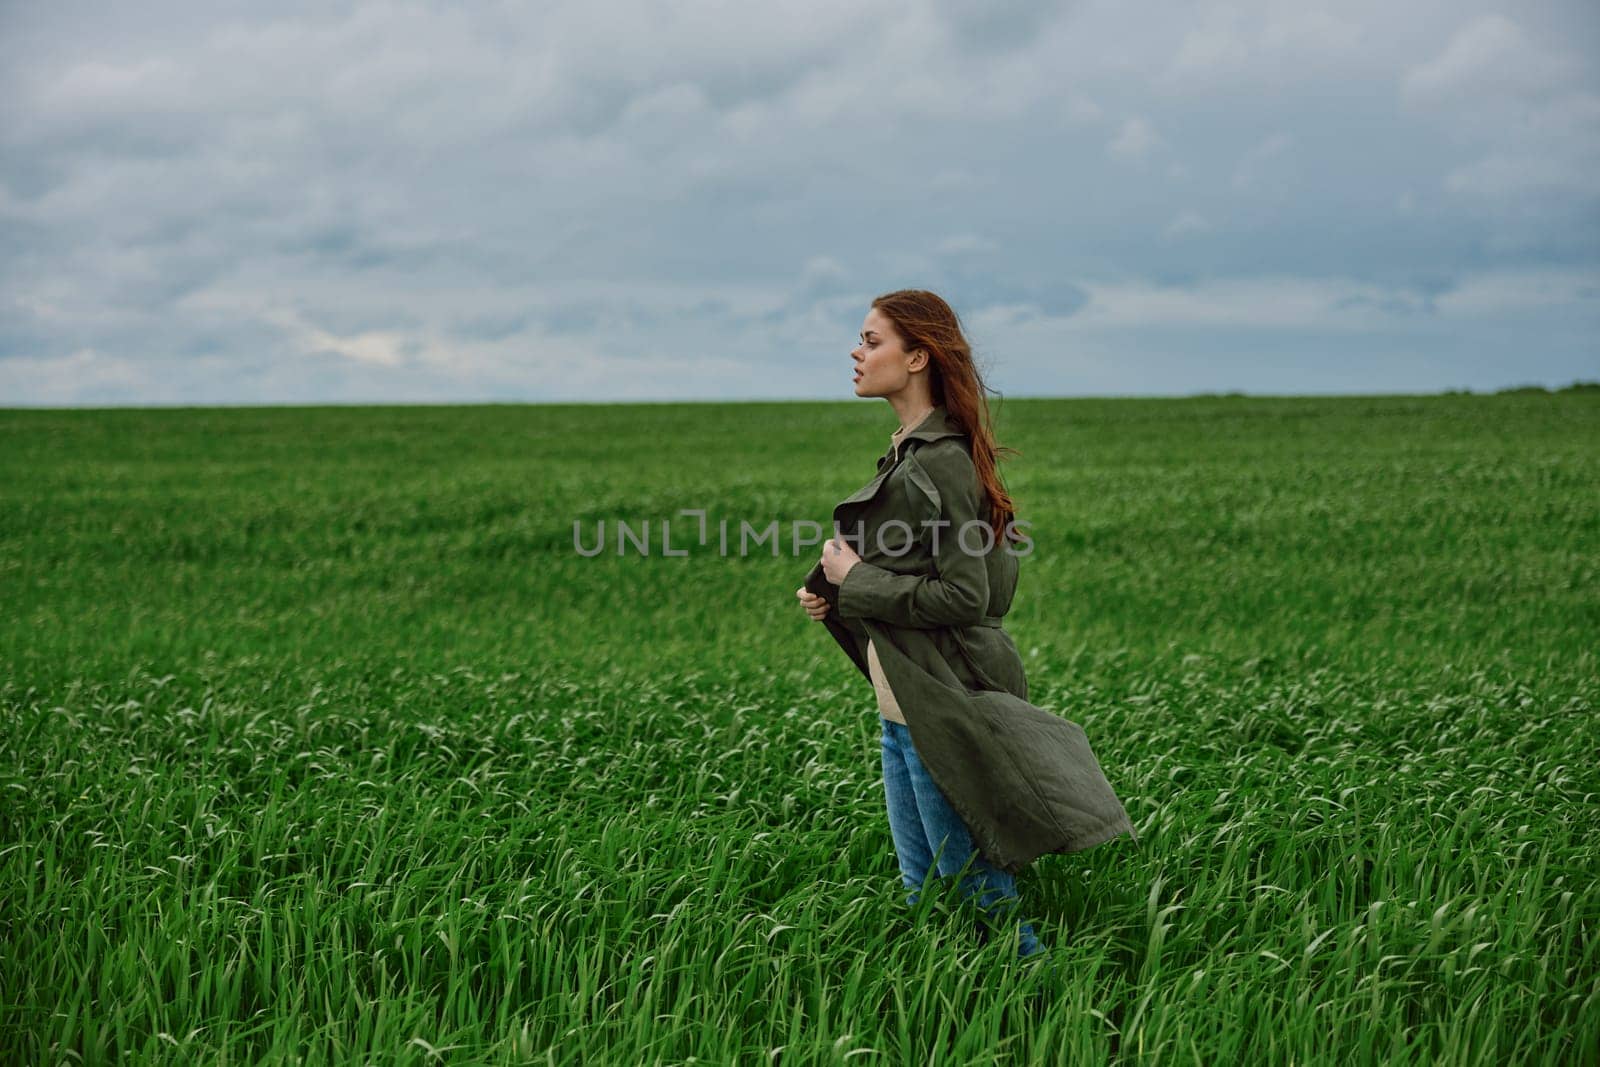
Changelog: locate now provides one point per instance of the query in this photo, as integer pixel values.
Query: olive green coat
(1023, 779)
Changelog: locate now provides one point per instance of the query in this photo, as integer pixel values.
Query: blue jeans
(928, 834)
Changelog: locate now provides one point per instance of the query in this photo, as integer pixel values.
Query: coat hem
(1077, 843)
(980, 829)
(1080, 843)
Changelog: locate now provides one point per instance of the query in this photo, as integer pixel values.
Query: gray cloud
(422, 201)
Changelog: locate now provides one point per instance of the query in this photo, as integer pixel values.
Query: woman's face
(881, 360)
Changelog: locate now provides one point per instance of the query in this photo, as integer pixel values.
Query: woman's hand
(815, 605)
(837, 559)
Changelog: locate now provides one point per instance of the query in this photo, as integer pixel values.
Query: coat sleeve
(957, 592)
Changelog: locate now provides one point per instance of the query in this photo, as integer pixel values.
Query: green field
(320, 742)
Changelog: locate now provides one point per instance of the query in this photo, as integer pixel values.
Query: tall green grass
(320, 743)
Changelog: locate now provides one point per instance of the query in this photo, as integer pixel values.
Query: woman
(913, 586)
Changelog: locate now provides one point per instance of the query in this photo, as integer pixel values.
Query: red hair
(923, 320)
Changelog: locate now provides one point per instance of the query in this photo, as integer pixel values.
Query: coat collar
(936, 425)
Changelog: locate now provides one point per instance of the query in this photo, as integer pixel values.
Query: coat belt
(991, 620)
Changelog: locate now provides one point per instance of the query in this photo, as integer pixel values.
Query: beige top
(888, 707)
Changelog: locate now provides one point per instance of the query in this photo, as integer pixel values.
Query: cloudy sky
(283, 203)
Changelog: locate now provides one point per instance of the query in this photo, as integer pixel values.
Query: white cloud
(380, 348)
(1081, 109)
(1135, 140)
(1495, 293)
(1490, 56)
(1527, 108)
(81, 375)
(1262, 42)
(1237, 302)
(1206, 51)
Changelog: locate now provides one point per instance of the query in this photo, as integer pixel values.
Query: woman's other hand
(815, 605)
(837, 559)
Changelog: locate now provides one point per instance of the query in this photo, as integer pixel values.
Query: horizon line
(1575, 386)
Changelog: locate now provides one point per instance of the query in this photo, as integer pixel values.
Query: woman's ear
(915, 364)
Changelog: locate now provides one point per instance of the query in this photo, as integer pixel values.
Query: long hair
(924, 320)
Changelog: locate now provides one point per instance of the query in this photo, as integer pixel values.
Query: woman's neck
(911, 411)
